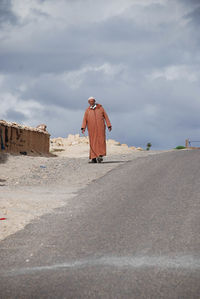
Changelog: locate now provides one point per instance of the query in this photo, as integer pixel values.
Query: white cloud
(176, 72)
(74, 79)
(29, 108)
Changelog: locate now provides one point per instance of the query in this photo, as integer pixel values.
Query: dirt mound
(78, 146)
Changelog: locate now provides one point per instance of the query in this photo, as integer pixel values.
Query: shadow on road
(3, 158)
(104, 162)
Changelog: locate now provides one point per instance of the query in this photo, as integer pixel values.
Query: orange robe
(94, 120)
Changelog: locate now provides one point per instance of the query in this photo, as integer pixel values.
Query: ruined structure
(19, 139)
(188, 144)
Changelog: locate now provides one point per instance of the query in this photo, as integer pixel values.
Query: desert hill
(75, 146)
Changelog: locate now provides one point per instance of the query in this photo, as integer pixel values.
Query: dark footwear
(93, 160)
(99, 159)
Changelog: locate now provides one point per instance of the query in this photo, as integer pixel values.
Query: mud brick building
(16, 139)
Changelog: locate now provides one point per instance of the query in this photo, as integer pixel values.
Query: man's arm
(108, 123)
(84, 123)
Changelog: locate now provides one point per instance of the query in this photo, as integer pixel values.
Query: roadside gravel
(33, 186)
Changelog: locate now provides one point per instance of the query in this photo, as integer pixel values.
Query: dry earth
(33, 186)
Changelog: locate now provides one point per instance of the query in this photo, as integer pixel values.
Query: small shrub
(180, 147)
(149, 145)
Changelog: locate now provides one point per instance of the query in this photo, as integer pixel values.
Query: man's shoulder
(99, 106)
(87, 109)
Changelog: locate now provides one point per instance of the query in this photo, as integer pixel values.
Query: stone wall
(15, 138)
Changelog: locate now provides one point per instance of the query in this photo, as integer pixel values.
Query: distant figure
(94, 119)
(42, 127)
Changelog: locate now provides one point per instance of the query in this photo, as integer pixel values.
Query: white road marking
(186, 262)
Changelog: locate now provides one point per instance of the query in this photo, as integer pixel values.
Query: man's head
(91, 101)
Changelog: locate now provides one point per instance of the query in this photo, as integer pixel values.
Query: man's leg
(94, 160)
(100, 159)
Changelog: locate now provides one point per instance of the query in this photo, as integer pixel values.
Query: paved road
(134, 233)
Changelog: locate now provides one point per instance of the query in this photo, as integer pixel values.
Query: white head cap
(91, 98)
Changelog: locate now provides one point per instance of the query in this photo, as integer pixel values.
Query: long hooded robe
(94, 120)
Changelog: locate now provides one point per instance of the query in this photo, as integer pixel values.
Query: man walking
(94, 119)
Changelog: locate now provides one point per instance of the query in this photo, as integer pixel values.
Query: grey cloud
(194, 16)
(193, 10)
(71, 52)
(15, 116)
(123, 28)
(40, 13)
(116, 40)
(6, 14)
(50, 89)
(190, 2)
(37, 63)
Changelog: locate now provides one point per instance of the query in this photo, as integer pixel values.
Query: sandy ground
(33, 186)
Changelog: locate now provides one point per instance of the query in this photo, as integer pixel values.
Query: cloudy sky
(139, 58)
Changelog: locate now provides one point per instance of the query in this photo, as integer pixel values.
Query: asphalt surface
(133, 233)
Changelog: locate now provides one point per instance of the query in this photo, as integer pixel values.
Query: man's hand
(110, 129)
(83, 131)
